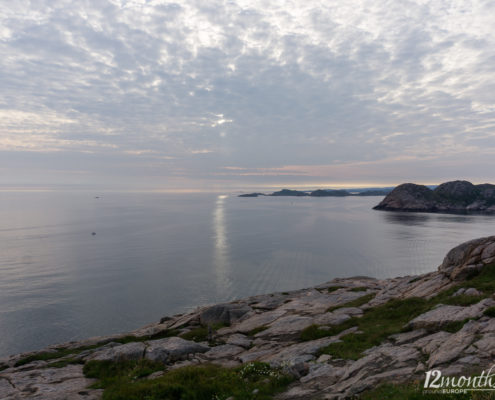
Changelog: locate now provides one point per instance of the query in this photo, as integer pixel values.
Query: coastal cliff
(344, 338)
(449, 197)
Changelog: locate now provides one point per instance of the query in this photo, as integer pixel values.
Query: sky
(242, 94)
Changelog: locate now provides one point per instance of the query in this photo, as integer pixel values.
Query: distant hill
(324, 193)
(449, 197)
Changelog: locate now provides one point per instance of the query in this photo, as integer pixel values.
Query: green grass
(64, 362)
(359, 289)
(377, 323)
(257, 330)
(160, 335)
(490, 312)
(199, 334)
(122, 381)
(455, 326)
(334, 288)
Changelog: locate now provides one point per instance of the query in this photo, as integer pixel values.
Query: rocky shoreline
(328, 338)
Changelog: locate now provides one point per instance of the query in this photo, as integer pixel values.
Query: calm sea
(158, 254)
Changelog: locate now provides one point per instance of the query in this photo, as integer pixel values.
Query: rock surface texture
(449, 197)
(269, 328)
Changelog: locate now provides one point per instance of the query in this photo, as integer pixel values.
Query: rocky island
(449, 197)
(348, 337)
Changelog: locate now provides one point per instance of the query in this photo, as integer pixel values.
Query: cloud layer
(253, 92)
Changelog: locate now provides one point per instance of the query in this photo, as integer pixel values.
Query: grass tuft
(490, 312)
(257, 330)
(359, 289)
(334, 288)
(199, 334)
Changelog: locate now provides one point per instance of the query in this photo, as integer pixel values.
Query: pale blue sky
(246, 94)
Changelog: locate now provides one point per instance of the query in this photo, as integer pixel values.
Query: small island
(324, 193)
(460, 197)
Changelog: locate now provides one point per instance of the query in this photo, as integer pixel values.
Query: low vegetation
(490, 312)
(202, 333)
(379, 322)
(128, 381)
(257, 330)
(334, 288)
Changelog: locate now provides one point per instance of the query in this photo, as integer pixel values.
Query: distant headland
(450, 197)
(324, 193)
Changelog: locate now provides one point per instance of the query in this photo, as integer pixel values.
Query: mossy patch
(199, 334)
(257, 330)
(455, 326)
(334, 288)
(359, 289)
(123, 381)
(490, 312)
(376, 324)
(202, 333)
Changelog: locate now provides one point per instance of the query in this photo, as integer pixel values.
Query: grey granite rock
(172, 349)
(289, 325)
(468, 258)
(223, 351)
(443, 315)
(129, 351)
(239, 339)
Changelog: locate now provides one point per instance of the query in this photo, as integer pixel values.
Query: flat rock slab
(238, 339)
(286, 326)
(48, 383)
(314, 302)
(128, 351)
(257, 321)
(223, 351)
(443, 315)
(172, 349)
(406, 337)
(452, 348)
(297, 353)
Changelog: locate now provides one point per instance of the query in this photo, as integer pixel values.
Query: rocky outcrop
(468, 258)
(269, 328)
(449, 197)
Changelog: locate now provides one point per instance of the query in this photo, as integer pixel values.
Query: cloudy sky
(246, 93)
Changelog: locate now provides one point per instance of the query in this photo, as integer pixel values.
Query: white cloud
(259, 82)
